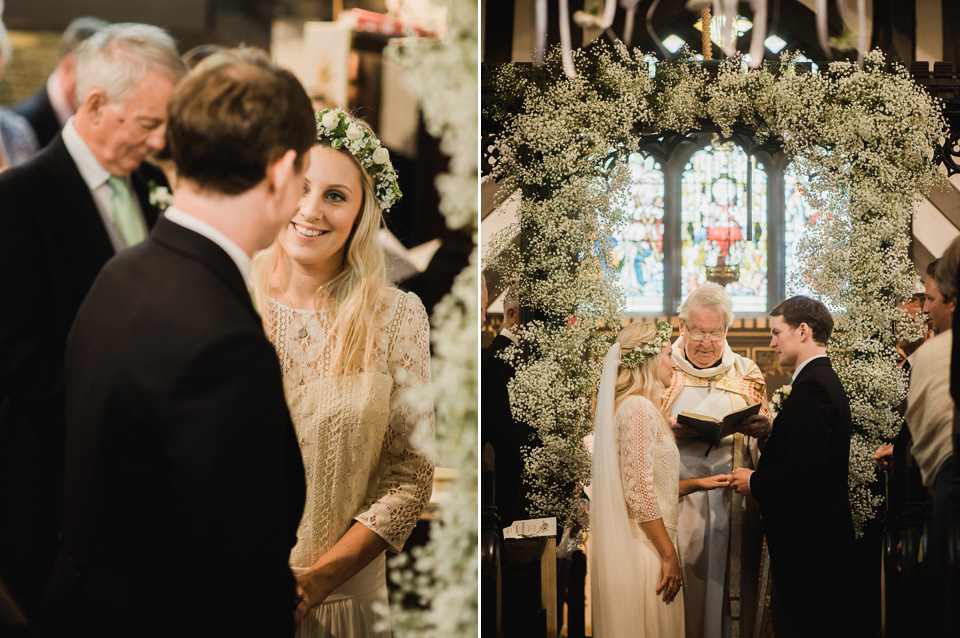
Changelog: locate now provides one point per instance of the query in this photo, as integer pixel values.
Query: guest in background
(185, 484)
(801, 483)
(930, 412)
(499, 429)
(355, 353)
(63, 214)
(49, 108)
(713, 380)
(636, 577)
(511, 319)
(17, 141)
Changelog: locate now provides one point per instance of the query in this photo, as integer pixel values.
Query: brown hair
(800, 309)
(234, 114)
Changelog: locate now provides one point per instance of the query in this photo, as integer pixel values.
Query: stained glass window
(797, 215)
(715, 227)
(638, 249)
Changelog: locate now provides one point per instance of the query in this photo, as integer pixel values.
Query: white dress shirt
(802, 366)
(96, 176)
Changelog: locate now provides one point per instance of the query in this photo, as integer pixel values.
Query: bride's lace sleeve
(405, 474)
(636, 427)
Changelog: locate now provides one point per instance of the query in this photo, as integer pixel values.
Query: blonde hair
(355, 295)
(643, 379)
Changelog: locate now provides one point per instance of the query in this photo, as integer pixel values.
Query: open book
(711, 429)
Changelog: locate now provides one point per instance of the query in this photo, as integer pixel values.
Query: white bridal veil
(614, 581)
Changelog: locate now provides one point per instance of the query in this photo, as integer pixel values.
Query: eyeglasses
(697, 335)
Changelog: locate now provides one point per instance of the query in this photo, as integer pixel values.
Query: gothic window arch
(698, 202)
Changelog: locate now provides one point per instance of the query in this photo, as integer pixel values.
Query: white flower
(354, 132)
(779, 396)
(380, 156)
(330, 120)
(160, 196)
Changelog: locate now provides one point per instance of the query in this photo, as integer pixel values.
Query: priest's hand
(681, 432)
(740, 480)
(757, 426)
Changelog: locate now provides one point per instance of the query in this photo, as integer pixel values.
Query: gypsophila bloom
(859, 140)
(442, 73)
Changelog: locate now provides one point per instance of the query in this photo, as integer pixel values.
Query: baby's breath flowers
(859, 139)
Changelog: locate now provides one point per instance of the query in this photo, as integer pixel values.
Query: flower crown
(344, 132)
(633, 358)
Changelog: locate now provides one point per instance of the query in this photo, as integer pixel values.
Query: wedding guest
(499, 429)
(801, 482)
(49, 108)
(17, 141)
(355, 354)
(185, 484)
(930, 413)
(634, 558)
(712, 380)
(63, 214)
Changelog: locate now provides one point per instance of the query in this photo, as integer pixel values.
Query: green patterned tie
(126, 213)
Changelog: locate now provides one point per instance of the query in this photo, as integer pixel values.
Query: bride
(353, 350)
(635, 565)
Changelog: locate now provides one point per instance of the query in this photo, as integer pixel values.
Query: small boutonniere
(160, 196)
(779, 396)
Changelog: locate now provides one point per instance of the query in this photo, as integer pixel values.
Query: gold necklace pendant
(302, 332)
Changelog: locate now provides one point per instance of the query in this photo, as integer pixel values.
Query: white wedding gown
(649, 472)
(354, 434)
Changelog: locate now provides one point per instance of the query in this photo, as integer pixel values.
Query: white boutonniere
(779, 396)
(160, 196)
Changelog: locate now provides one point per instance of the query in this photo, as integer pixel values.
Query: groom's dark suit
(801, 486)
(52, 246)
(184, 482)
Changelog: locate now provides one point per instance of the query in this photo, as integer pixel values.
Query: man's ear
(94, 104)
(806, 333)
(281, 171)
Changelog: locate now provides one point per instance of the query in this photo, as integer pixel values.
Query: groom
(184, 482)
(801, 481)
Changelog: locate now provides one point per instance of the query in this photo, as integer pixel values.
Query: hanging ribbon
(759, 35)
(566, 52)
(728, 31)
(822, 35)
(862, 28)
(540, 24)
(653, 33)
(631, 10)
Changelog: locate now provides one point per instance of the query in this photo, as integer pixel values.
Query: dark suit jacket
(801, 486)
(184, 481)
(52, 246)
(500, 431)
(38, 110)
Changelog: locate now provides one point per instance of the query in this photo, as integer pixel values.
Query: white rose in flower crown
(354, 132)
(380, 156)
(330, 120)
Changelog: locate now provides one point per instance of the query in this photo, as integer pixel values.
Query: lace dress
(354, 433)
(650, 472)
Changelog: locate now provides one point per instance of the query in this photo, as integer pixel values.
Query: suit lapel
(141, 179)
(197, 247)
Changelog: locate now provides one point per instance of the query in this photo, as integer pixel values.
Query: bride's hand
(311, 591)
(715, 481)
(672, 578)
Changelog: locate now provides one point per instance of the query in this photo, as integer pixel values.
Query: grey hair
(712, 297)
(78, 31)
(946, 274)
(117, 57)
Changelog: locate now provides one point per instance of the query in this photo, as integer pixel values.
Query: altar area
(621, 174)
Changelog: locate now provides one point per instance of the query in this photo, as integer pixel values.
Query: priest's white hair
(946, 273)
(710, 296)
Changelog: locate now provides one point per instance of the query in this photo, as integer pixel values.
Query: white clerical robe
(713, 608)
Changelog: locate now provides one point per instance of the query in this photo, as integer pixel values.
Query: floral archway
(861, 139)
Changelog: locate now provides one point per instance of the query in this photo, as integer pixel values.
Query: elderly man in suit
(801, 482)
(49, 108)
(63, 214)
(184, 482)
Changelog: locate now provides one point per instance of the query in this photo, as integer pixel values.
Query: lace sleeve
(636, 428)
(405, 474)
